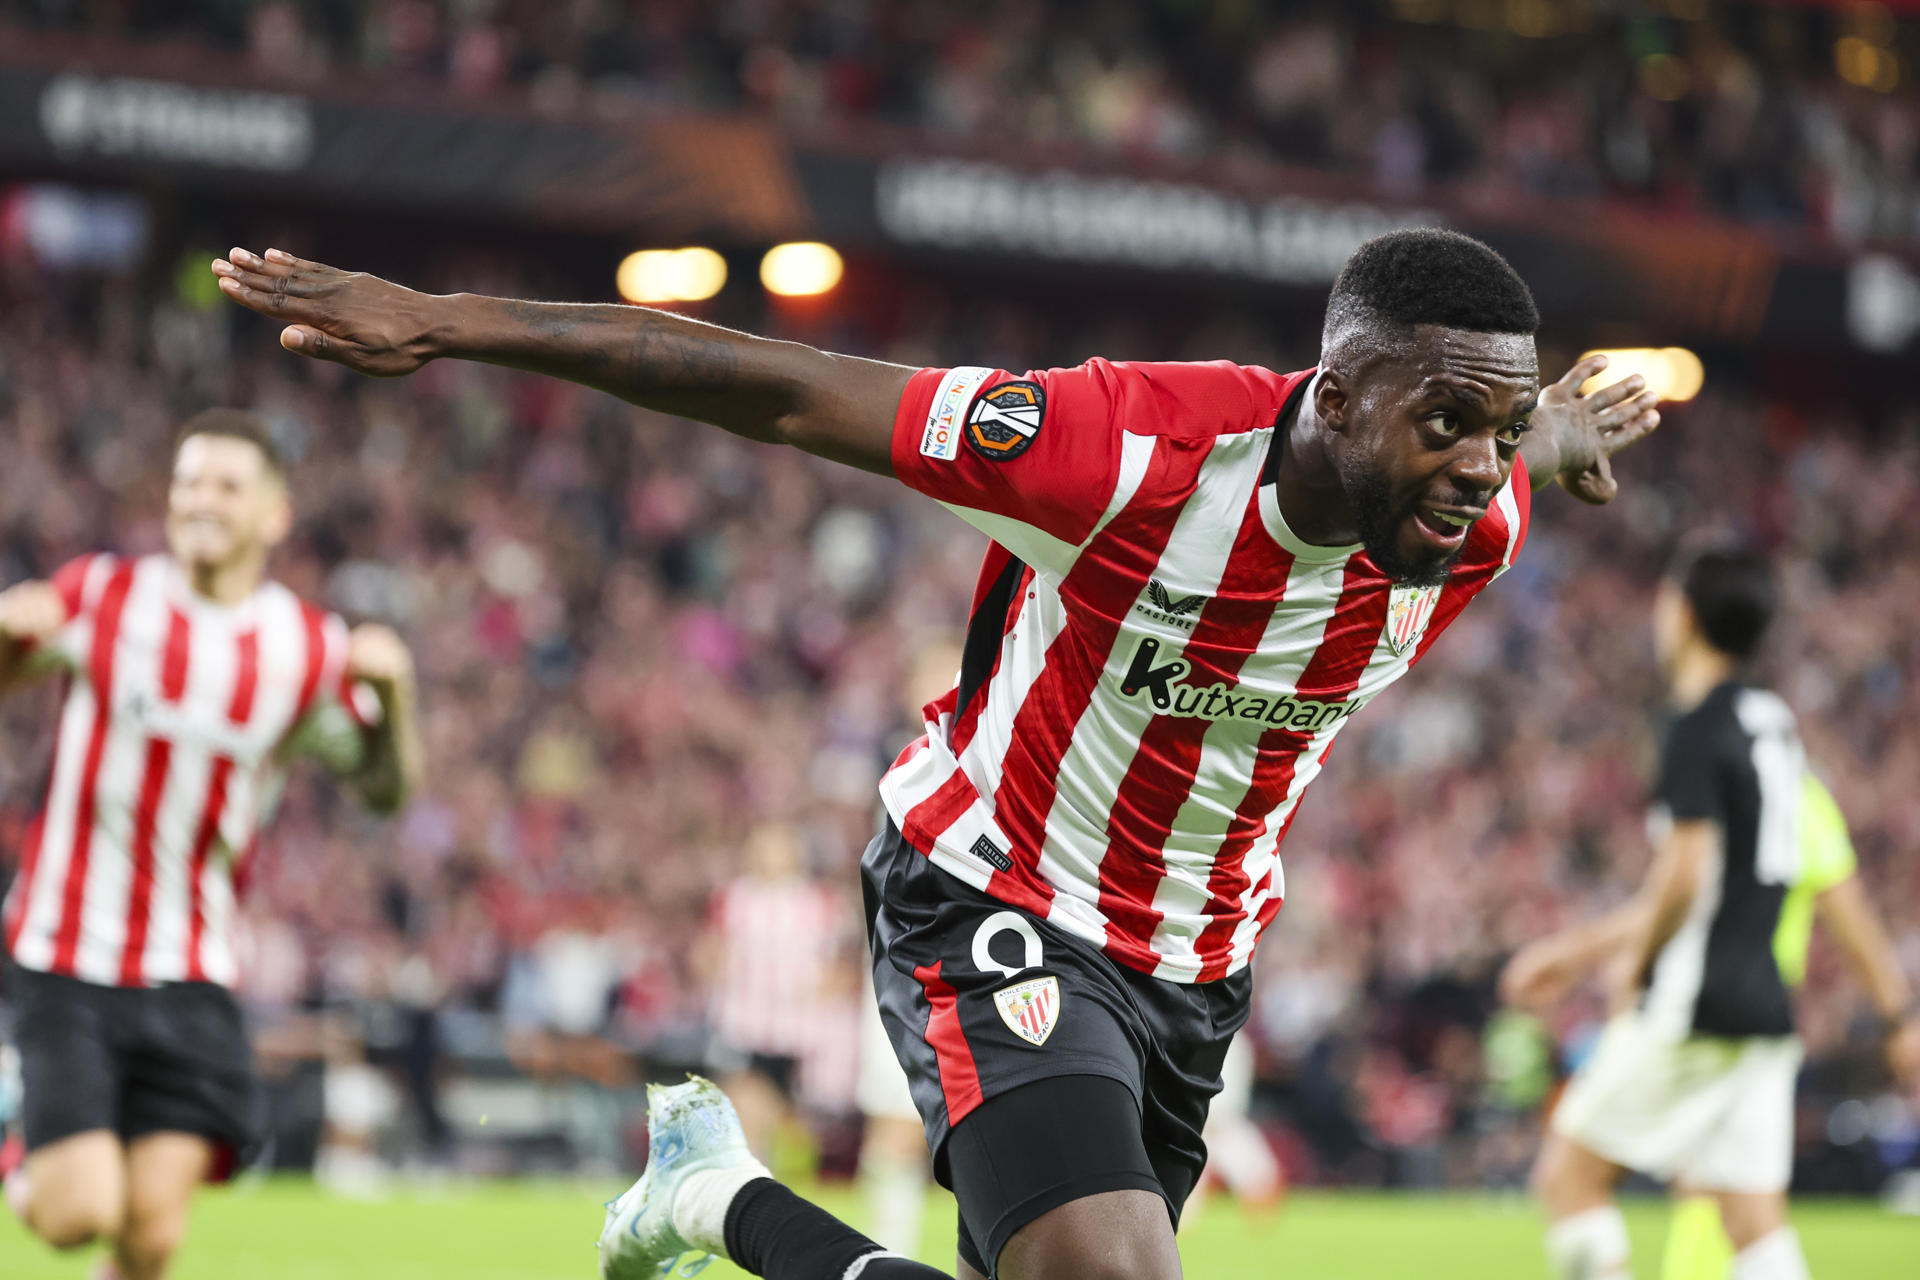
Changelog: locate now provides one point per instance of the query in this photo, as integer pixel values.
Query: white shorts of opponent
(1711, 1114)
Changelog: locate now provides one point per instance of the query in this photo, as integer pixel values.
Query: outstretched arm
(1845, 913)
(1574, 437)
(838, 407)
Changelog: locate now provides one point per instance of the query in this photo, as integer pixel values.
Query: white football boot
(671, 1220)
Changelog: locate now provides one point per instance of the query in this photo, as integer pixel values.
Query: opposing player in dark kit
(1693, 1082)
(1198, 573)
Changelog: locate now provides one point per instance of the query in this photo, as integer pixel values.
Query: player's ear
(1330, 398)
(279, 521)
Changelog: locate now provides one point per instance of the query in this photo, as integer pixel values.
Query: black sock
(776, 1235)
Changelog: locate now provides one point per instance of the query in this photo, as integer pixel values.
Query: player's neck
(1307, 485)
(225, 584)
(1697, 672)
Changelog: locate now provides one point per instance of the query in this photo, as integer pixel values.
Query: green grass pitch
(288, 1230)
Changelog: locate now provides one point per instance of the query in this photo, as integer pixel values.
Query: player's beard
(1370, 496)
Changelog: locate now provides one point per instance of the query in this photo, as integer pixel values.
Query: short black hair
(235, 424)
(1731, 592)
(1429, 275)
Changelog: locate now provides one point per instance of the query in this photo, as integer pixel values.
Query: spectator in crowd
(1779, 115)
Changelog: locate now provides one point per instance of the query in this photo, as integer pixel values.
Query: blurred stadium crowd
(1794, 116)
(645, 648)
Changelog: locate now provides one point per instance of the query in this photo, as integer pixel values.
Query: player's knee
(73, 1221)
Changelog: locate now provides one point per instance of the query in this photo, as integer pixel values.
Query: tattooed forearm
(653, 358)
(679, 359)
(644, 350)
(779, 392)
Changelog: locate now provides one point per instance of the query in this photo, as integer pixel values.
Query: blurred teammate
(773, 933)
(191, 678)
(1694, 1083)
(1198, 573)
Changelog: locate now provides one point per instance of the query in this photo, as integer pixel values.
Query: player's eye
(1513, 432)
(1445, 424)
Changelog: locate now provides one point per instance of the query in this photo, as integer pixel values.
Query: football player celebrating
(1198, 573)
(191, 679)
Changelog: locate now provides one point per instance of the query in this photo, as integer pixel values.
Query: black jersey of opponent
(1735, 760)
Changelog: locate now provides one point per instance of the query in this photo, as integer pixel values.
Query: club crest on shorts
(1005, 419)
(1030, 1008)
(1409, 610)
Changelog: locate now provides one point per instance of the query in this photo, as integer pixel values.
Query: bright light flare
(1673, 374)
(802, 269)
(671, 275)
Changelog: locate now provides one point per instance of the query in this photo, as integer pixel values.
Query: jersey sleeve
(1689, 782)
(66, 648)
(1038, 461)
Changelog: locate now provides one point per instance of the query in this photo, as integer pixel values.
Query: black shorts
(1037, 1005)
(780, 1070)
(133, 1060)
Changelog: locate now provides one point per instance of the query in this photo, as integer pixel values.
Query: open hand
(377, 656)
(349, 317)
(1590, 429)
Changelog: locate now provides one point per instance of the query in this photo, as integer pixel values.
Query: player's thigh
(77, 1188)
(1570, 1178)
(189, 1073)
(163, 1169)
(1115, 1235)
(69, 1065)
(1748, 1150)
(1023, 1156)
(1748, 1216)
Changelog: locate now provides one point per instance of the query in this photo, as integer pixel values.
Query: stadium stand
(637, 640)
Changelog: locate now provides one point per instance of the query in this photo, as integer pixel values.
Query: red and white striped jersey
(1157, 665)
(177, 718)
(778, 940)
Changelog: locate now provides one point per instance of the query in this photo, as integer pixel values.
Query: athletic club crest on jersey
(1409, 610)
(1030, 1008)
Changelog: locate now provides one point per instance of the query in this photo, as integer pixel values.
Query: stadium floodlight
(671, 275)
(801, 269)
(1673, 374)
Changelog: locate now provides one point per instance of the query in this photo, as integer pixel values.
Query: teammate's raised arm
(838, 407)
(30, 612)
(394, 763)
